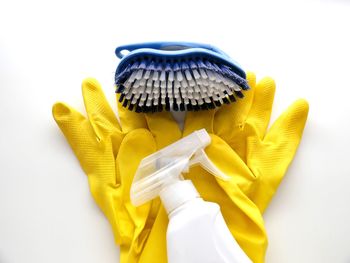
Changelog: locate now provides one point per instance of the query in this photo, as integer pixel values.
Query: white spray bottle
(197, 231)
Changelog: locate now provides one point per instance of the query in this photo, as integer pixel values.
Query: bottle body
(197, 232)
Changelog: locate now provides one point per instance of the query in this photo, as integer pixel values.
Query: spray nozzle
(165, 167)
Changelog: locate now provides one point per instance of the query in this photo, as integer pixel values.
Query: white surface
(47, 48)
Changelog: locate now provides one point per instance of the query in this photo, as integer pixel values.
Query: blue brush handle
(166, 46)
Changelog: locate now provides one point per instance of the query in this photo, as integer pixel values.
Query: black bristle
(211, 105)
(182, 107)
(196, 108)
(154, 109)
(160, 107)
(125, 103)
(131, 106)
(167, 104)
(138, 109)
(120, 88)
(189, 107)
(175, 107)
(225, 100)
(232, 98)
(239, 94)
(204, 106)
(145, 109)
(217, 103)
(121, 98)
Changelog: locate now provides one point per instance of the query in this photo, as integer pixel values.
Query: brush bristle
(150, 86)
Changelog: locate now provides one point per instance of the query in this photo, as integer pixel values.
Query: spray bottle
(197, 231)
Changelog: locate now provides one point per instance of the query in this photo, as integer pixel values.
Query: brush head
(180, 79)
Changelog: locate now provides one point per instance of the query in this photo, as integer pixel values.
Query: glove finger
(241, 215)
(163, 127)
(76, 128)
(260, 112)
(130, 120)
(230, 117)
(196, 120)
(271, 157)
(245, 222)
(101, 116)
(229, 162)
(289, 127)
(136, 145)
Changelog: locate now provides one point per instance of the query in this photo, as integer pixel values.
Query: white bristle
(200, 101)
(192, 82)
(139, 74)
(163, 91)
(226, 81)
(143, 82)
(127, 86)
(179, 76)
(178, 85)
(144, 96)
(215, 97)
(210, 90)
(155, 75)
(136, 85)
(186, 101)
(188, 75)
(163, 84)
(156, 83)
(156, 95)
(203, 74)
(210, 75)
(236, 88)
(205, 89)
(196, 95)
(128, 95)
(132, 77)
(228, 91)
(184, 83)
(221, 93)
(147, 74)
(207, 99)
(190, 95)
(171, 76)
(149, 83)
(218, 77)
(205, 82)
(149, 102)
(196, 74)
(162, 76)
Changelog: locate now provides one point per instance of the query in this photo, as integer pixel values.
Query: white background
(48, 47)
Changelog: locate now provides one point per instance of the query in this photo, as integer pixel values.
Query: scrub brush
(177, 76)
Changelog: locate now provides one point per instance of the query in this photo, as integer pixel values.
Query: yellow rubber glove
(110, 158)
(267, 154)
(110, 154)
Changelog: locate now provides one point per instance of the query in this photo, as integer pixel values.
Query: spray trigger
(166, 166)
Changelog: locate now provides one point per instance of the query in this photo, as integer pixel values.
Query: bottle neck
(177, 193)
